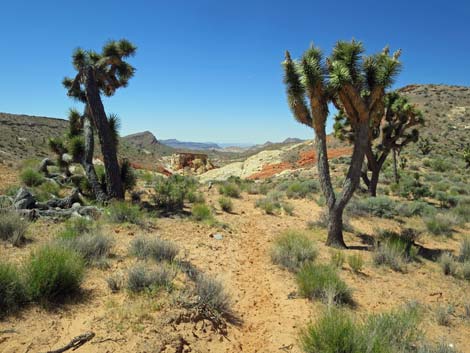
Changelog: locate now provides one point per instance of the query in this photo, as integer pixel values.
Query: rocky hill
(185, 145)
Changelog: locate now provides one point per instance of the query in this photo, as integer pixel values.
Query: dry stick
(76, 342)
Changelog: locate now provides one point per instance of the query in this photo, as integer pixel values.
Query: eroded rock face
(197, 163)
(24, 199)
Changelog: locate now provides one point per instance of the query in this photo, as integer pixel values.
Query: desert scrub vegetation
(141, 278)
(13, 228)
(464, 251)
(53, 273)
(211, 296)
(124, 212)
(77, 226)
(201, 212)
(414, 208)
(462, 210)
(299, 189)
(94, 248)
(379, 206)
(355, 262)
(229, 189)
(145, 247)
(443, 314)
(323, 282)
(12, 289)
(292, 249)
(448, 264)
(226, 204)
(171, 192)
(273, 204)
(31, 177)
(337, 332)
(441, 223)
(395, 250)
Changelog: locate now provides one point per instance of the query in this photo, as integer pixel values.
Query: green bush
(13, 228)
(230, 190)
(441, 224)
(466, 271)
(356, 262)
(337, 332)
(292, 249)
(448, 264)
(301, 189)
(122, 212)
(12, 290)
(75, 227)
(31, 177)
(443, 315)
(153, 248)
(46, 191)
(441, 165)
(464, 254)
(380, 206)
(414, 208)
(201, 212)
(226, 204)
(141, 278)
(53, 273)
(322, 282)
(462, 210)
(411, 187)
(337, 258)
(445, 199)
(171, 192)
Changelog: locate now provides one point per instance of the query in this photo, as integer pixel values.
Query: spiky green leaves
(114, 125)
(296, 91)
(346, 61)
(75, 123)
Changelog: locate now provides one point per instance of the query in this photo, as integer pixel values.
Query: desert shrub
(13, 228)
(438, 348)
(462, 210)
(414, 208)
(390, 254)
(445, 199)
(466, 271)
(448, 264)
(441, 224)
(337, 332)
(46, 191)
(195, 197)
(114, 283)
(153, 248)
(31, 177)
(292, 249)
(226, 204)
(12, 290)
(272, 204)
(75, 227)
(201, 212)
(171, 192)
(288, 208)
(229, 189)
(411, 187)
(322, 282)
(122, 212)
(53, 273)
(441, 165)
(356, 262)
(322, 222)
(337, 258)
(443, 314)
(301, 189)
(141, 278)
(380, 206)
(94, 248)
(211, 295)
(464, 254)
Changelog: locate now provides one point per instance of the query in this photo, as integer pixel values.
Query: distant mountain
(293, 140)
(142, 139)
(190, 145)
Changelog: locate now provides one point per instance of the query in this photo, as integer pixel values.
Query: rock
(76, 205)
(24, 199)
(218, 236)
(67, 158)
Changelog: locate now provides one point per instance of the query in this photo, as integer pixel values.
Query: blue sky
(209, 70)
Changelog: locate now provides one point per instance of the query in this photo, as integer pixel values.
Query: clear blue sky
(209, 70)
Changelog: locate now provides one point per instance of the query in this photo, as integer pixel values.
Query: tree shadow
(429, 254)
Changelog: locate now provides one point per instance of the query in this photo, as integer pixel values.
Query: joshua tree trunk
(395, 168)
(336, 209)
(87, 161)
(108, 147)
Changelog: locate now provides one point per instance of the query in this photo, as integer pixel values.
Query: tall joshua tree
(391, 133)
(356, 86)
(102, 73)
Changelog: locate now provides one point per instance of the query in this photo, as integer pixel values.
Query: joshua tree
(356, 86)
(391, 133)
(102, 73)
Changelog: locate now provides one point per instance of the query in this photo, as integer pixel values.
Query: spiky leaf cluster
(110, 68)
(354, 83)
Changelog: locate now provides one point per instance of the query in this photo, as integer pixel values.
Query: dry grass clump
(292, 249)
